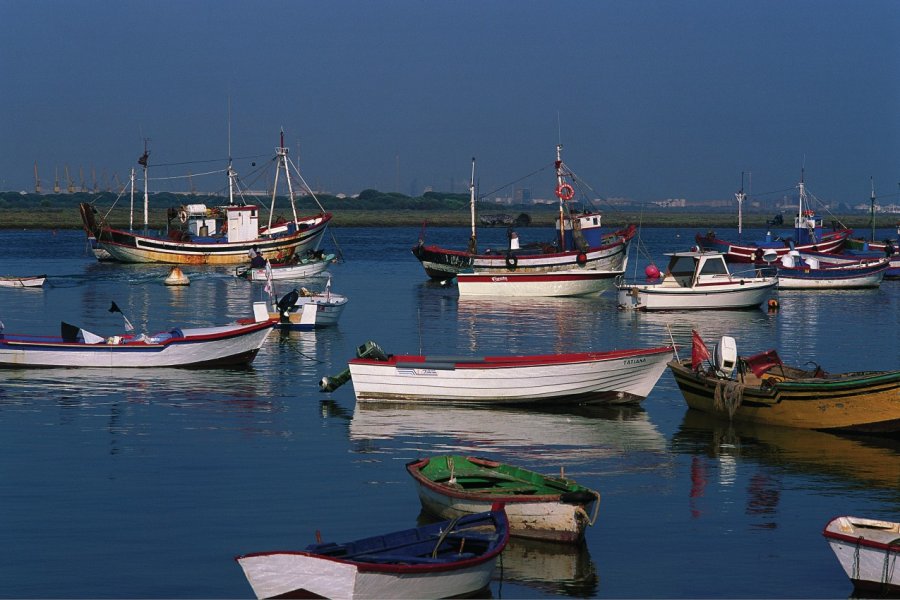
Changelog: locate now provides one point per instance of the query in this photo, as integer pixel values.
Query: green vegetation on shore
(373, 209)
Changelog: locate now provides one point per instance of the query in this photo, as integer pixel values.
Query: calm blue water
(146, 484)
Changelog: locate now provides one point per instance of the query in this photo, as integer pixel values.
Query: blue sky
(651, 99)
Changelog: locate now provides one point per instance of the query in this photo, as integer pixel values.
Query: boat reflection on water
(846, 463)
(499, 322)
(559, 569)
(550, 567)
(563, 436)
(755, 326)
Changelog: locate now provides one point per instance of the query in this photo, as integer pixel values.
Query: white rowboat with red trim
(23, 281)
(868, 550)
(199, 347)
(613, 377)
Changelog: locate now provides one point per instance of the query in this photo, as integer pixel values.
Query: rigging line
(192, 162)
(187, 176)
(532, 174)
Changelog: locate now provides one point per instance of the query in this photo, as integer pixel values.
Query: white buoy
(177, 277)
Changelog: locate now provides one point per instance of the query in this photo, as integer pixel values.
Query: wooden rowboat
(613, 377)
(308, 266)
(538, 506)
(440, 560)
(868, 550)
(23, 281)
(765, 390)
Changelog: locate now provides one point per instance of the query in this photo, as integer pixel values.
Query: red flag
(699, 351)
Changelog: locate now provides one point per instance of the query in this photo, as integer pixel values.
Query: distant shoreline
(68, 218)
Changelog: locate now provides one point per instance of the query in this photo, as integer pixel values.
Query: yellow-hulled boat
(762, 389)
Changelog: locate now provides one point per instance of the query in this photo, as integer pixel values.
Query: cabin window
(681, 265)
(714, 267)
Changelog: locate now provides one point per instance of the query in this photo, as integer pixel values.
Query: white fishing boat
(22, 281)
(580, 247)
(868, 550)
(447, 559)
(612, 377)
(819, 271)
(224, 345)
(311, 264)
(220, 235)
(697, 280)
(302, 309)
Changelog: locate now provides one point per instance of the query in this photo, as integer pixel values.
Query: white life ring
(182, 215)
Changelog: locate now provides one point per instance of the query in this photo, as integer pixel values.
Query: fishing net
(728, 396)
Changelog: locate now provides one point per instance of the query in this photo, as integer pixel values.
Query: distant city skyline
(651, 99)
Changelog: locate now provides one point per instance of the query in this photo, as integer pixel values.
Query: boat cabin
(587, 223)
(234, 223)
(689, 269)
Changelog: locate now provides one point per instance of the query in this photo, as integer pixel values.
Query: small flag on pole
(270, 288)
(699, 351)
(115, 309)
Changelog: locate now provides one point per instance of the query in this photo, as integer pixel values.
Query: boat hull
(30, 281)
(290, 575)
(835, 277)
(291, 271)
(859, 402)
(740, 293)
(753, 252)
(313, 312)
(868, 551)
(228, 345)
(442, 263)
(616, 377)
(544, 517)
(554, 283)
(419, 563)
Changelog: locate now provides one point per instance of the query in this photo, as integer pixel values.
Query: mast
(872, 207)
(143, 162)
(281, 152)
(231, 173)
(559, 182)
(131, 212)
(473, 243)
(740, 200)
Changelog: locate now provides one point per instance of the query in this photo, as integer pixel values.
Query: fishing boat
(220, 235)
(22, 281)
(440, 560)
(302, 310)
(580, 245)
(868, 550)
(538, 506)
(612, 377)
(312, 263)
(199, 347)
(697, 280)
(808, 236)
(824, 271)
(762, 389)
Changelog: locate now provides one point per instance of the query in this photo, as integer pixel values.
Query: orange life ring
(565, 191)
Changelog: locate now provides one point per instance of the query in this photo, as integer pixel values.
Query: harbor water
(146, 483)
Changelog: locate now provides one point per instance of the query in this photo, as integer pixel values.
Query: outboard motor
(726, 356)
(287, 302)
